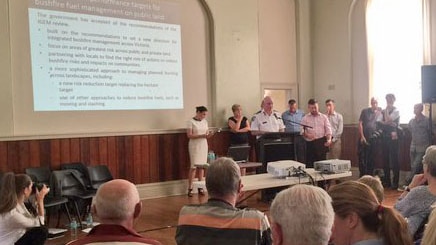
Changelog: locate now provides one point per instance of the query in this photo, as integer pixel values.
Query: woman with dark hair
(198, 132)
(17, 224)
(361, 219)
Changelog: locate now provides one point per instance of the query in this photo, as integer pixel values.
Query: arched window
(396, 48)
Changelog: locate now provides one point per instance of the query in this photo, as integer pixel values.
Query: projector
(284, 168)
(333, 166)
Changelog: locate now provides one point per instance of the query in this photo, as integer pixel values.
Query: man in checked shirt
(317, 132)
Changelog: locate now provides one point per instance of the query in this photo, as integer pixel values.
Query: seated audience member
(375, 184)
(218, 221)
(429, 237)
(416, 200)
(116, 205)
(301, 215)
(17, 224)
(361, 219)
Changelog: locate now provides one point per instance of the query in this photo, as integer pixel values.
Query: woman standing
(198, 133)
(239, 127)
(17, 224)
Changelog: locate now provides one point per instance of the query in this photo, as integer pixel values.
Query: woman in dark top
(239, 127)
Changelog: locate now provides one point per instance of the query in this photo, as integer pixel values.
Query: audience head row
(305, 214)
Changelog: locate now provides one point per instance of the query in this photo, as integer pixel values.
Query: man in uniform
(267, 120)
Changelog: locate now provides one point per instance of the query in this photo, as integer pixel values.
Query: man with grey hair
(218, 221)
(303, 215)
(116, 205)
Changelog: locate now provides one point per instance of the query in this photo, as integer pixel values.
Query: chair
(98, 175)
(82, 169)
(1, 178)
(67, 183)
(43, 175)
(239, 153)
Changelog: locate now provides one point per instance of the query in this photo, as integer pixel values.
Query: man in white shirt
(337, 124)
(267, 120)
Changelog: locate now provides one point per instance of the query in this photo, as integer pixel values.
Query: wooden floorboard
(159, 216)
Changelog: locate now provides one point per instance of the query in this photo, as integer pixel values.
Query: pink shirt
(320, 126)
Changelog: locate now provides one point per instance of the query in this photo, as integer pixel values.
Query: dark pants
(34, 236)
(366, 157)
(315, 151)
(300, 148)
(390, 157)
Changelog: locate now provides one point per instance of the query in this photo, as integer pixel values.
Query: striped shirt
(218, 222)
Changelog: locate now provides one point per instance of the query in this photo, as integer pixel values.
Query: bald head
(117, 201)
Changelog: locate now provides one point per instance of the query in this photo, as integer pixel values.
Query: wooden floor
(159, 216)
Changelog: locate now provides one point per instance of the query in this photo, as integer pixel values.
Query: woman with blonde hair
(17, 224)
(429, 237)
(239, 127)
(361, 219)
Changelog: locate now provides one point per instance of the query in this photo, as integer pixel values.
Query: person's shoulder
(323, 115)
(252, 213)
(256, 115)
(277, 113)
(367, 110)
(422, 189)
(191, 208)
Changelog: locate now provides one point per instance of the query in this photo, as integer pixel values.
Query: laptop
(239, 153)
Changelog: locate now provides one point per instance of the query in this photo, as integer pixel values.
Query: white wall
(255, 45)
(332, 55)
(296, 43)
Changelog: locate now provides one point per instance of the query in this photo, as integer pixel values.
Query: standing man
(419, 127)
(317, 132)
(267, 120)
(389, 126)
(367, 144)
(292, 119)
(337, 123)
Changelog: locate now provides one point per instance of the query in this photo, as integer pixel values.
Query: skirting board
(163, 189)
